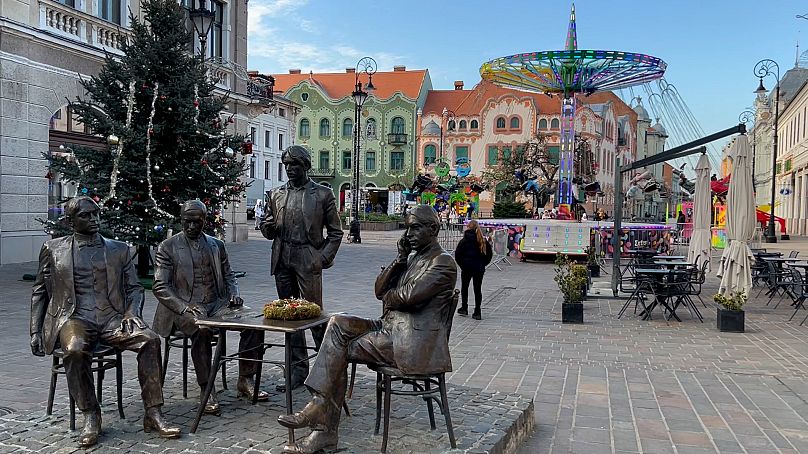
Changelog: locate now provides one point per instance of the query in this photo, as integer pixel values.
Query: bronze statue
(87, 291)
(192, 279)
(295, 216)
(416, 293)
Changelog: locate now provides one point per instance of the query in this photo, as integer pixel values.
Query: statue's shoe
(246, 387)
(318, 440)
(154, 421)
(92, 428)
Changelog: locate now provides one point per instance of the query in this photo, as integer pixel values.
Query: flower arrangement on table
(291, 309)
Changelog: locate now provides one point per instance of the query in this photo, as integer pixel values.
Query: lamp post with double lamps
(365, 65)
(748, 117)
(763, 69)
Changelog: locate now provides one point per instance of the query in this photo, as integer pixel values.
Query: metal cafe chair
(104, 358)
(178, 339)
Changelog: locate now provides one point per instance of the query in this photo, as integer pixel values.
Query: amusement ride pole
(762, 69)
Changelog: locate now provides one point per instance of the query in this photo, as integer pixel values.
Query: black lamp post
(366, 65)
(762, 69)
(748, 117)
(202, 19)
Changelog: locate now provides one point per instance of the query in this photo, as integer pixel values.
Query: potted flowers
(570, 283)
(730, 314)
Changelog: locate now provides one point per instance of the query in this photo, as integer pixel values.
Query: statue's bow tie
(90, 243)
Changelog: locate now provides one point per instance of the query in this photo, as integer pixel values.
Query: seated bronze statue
(86, 292)
(416, 293)
(193, 279)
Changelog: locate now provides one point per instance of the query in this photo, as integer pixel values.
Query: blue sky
(711, 46)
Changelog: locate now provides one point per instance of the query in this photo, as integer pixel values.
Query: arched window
(325, 128)
(430, 155)
(397, 125)
(515, 123)
(371, 128)
(475, 124)
(305, 128)
(501, 123)
(554, 124)
(347, 127)
(543, 123)
(462, 124)
(451, 126)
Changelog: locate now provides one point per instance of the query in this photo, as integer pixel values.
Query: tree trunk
(143, 265)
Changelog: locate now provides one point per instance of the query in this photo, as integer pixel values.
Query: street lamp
(365, 65)
(748, 117)
(762, 69)
(202, 19)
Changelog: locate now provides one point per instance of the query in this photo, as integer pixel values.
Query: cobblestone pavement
(608, 385)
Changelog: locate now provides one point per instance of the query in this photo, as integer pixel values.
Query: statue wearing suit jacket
(296, 214)
(86, 291)
(416, 293)
(193, 279)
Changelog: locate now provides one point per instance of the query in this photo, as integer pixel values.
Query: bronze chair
(179, 340)
(422, 386)
(104, 358)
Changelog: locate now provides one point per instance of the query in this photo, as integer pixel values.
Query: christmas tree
(168, 138)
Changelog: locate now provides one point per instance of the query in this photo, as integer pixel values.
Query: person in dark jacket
(472, 254)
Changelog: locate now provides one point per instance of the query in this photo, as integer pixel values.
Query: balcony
(260, 90)
(221, 73)
(80, 26)
(322, 173)
(395, 138)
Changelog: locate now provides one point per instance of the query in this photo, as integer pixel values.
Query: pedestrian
(259, 213)
(472, 254)
(680, 222)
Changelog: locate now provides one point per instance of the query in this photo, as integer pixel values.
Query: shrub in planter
(591, 262)
(570, 284)
(730, 316)
(582, 274)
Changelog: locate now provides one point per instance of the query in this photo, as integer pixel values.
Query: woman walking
(259, 213)
(472, 254)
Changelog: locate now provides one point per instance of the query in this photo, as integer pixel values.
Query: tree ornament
(196, 103)
(229, 152)
(156, 168)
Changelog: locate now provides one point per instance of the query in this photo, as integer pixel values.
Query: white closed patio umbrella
(735, 269)
(701, 236)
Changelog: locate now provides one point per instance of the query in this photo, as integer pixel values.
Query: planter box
(365, 225)
(594, 270)
(584, 291)
(729, 321)
(572, 313)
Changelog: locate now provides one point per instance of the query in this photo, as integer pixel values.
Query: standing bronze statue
(416, 293)
(295, 216)
(86, 292)
(193, 279)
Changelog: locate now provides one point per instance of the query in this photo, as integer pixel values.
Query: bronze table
(251, 319)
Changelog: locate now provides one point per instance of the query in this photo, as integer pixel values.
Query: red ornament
(247, 148)
(205, 162)
(196, 103)
(230, 120)
(49, 175)
(129, 203)
(151, 131)
(96, 198)
(206, 201)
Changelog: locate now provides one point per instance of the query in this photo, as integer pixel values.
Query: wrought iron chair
(178, 339)
(104, 358)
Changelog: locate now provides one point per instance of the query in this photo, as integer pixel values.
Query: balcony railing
(395, 138)
(72, 23)
(329, 173)
(221, 73)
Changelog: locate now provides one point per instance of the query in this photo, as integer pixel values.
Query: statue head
(194, 216)
(423, 226)
(83, 214)
(297, 161)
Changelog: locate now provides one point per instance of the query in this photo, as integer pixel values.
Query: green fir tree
(173, 142)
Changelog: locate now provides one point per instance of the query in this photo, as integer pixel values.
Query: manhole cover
(6, 411)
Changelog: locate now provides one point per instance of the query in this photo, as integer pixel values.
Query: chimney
(458, 85)
(399, 68)
(350, 70)
(294, 71)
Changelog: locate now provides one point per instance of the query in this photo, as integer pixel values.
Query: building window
(397, 125)
(215, 40)
(543, 123)
(280, 141)
(554, 124)
(252, 135)
(506, 153)
(493, 155)
(463, 125)
(397, 160)
(461, 152)
(430, 156)
(305, 128)
(515, 124)
(370, 160)
(474, 125)
(451, 125)
(371, 128)
(281, 112)
(267, 139)
(346, 159)
(501, 123)
(347, 127)
(109, 10)
(252, 168)
(280, 171)
(325, 128)
(267, 170)
(325, 160)
(70, 3)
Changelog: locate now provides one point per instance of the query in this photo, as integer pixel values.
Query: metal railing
(395, 138)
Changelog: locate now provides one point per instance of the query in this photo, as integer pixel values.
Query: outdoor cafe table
(669, 257)
(657, 275)
(246, 319)
(672, 264)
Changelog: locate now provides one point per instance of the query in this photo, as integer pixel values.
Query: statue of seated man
(87, 291)
(193, 279)
(416, 293)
